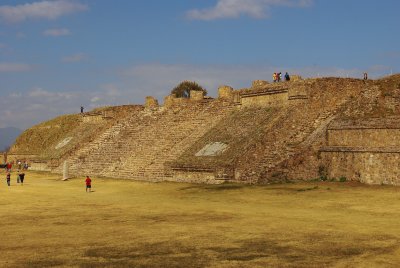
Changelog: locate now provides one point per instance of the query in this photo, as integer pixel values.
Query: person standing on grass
(21, 178)
(8, 178)
(88, 184)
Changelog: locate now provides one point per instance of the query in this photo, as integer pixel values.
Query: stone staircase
(75, 157)
(240, 131)
(139, 147)
(177, 136)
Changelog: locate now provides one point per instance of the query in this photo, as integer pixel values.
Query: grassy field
(53, 223)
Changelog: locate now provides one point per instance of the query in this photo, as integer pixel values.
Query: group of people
(21, 166)
(21, 175)
(20, 178)
(277, 77)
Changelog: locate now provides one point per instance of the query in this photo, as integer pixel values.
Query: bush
(342, 179)
(183, 89)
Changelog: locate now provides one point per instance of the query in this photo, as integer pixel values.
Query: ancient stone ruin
(328, 128)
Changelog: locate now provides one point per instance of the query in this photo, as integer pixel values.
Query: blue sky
(58, 55)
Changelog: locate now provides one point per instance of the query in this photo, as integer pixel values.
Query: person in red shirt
(88, 184)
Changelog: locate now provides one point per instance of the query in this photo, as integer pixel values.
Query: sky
(58, 55)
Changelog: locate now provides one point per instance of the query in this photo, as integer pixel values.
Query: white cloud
(57, 32)
(235, 8)
(15, 95)
(75, 58)
(14, 67)
(33, 107)
(40, 10)
(95, 99)
(43, 94)
(36, 105)
(111, 90)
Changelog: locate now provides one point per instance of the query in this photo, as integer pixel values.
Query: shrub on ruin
(183, 89)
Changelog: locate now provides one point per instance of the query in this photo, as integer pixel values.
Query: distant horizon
(58, 55)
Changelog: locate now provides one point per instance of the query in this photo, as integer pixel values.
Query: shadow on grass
(306, 250)
(216, 187)
(161, 254)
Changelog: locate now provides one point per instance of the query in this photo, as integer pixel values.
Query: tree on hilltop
(183, 89)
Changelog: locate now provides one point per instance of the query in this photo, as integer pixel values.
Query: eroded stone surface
(63, 143)
(212, 149)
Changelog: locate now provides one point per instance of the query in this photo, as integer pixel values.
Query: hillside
(59, 137)
(303, 129)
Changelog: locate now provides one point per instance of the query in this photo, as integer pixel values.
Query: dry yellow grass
(51, 223)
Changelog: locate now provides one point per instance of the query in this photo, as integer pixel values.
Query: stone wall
(369, 138)
(39, 166)
(365, 150)
(171, 100)
(371, 167)
(193, 176)
(273, 98)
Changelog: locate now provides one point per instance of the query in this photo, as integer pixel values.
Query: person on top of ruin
(365, 76)
(81, 109)
(88, 182)
(279, 76)
(287, 77)
(274, 77)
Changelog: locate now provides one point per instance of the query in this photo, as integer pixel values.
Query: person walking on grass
(88, 184)
(21, 178)
(8, 178)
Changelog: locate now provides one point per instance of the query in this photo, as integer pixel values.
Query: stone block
(196, 95)
(151, 102)
(225, 92)
(169, 100)
(259, 83)
(276, 99)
